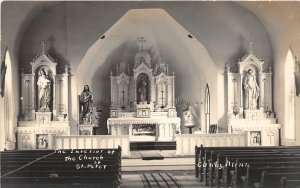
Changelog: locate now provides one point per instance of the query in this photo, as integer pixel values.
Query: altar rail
(185, 143)
(93, 142)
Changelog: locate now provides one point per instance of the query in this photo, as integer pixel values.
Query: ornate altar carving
(250, 107)
(146, 95)
(44, 101)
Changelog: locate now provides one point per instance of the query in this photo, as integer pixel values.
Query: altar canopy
(250, 103)
(143, 99)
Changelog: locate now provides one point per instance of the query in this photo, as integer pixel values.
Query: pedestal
(85, 129)
(190, 127)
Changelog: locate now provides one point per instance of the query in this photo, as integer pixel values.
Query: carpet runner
(161, 180)
(151, 155)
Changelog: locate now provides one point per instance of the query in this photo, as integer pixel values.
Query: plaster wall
(70, 28)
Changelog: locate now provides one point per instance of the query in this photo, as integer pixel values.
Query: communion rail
(185, 143)
(93, 142)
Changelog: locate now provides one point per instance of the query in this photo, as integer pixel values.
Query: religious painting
(255, 138)
(143, 129)
(42, 141)
(25, 141)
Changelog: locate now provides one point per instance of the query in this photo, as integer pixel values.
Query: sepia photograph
(150, 94)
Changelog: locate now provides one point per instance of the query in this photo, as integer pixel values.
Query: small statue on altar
(86, 101)
(251, 91)
(44, 91)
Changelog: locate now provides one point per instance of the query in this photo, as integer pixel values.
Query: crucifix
(250, 46)
(43, 46)
(142, 42)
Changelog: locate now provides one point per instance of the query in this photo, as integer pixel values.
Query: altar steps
(135, 146)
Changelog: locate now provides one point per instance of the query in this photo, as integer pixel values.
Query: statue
(189, 118)
(143, 90)
(251, 91)
(86, 101)
(44, 91)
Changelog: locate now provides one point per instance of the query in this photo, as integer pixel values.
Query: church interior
(155, 85)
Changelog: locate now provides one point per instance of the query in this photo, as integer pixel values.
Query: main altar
(143, 99)
(250, 108)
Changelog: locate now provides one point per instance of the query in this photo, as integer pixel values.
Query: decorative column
(173, 91)
(270, 97)
(241, 93)
(65, 91)
(263, 81)
(54, 97)
(33, 96)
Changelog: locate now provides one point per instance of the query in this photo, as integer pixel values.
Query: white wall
(71, 28)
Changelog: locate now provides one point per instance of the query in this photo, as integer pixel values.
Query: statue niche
(44, 89)
(143, 88)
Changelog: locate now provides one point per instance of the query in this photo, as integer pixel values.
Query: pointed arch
(6, 112)
(290, 94)
(207, 107)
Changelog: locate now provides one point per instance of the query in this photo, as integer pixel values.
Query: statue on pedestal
(86, 101)
(189, 118)
(251, 91)
(43, 91)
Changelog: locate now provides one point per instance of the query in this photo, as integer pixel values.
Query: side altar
(143, 100)
(44, 104)
(250, 103)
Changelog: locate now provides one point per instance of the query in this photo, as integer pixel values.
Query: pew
(288, 183)
(223, 176)
(277, 158)
(254, 174)
(271, 179)
(241, 175)
(50, 168)
(219, 157)
(201, 152)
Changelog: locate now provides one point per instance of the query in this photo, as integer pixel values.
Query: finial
(270, 68)
(142, 43)
(167, 68)
(43, 46)
(162, 58)
(111, 73)
(250, 46)
(67, 68)
(227, 67)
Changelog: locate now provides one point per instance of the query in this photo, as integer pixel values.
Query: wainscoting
(93, 142)
(185, 143)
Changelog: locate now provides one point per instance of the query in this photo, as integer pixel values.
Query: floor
(172, 171)
(168, 179)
